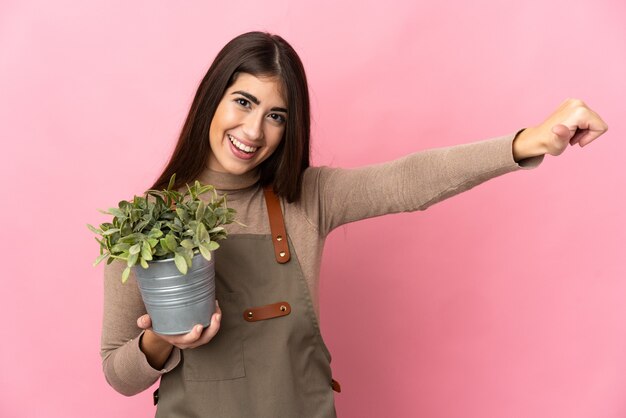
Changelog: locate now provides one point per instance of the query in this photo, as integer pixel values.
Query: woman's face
(248, 124)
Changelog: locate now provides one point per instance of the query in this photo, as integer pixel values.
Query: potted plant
(168, 242)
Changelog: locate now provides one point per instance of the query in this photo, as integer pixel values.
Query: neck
(228, 181)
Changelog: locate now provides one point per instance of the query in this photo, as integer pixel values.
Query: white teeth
(241, 146)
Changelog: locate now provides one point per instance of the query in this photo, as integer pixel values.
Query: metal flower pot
(177, 302)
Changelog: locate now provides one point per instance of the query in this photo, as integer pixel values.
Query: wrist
(527, 144)
(155, 348)
(153, 341)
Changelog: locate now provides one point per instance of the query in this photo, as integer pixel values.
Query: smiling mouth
(240, 146)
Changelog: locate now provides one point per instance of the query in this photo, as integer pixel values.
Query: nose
(253, 126)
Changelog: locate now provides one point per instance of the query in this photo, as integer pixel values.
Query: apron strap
(281, 250)
(277, 226)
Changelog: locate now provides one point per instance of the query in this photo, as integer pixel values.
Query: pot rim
(195, 254)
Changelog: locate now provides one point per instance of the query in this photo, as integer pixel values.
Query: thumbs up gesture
(573, 122)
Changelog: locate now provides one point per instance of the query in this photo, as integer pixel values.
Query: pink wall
(505, 301)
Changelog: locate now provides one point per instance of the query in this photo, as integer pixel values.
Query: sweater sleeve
(125, 366)
(336, 196)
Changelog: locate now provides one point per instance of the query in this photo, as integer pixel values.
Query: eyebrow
(257, 101)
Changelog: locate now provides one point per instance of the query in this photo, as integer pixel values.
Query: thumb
(144, 321)
(562, 132)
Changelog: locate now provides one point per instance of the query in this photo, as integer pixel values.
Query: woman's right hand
(194, 338)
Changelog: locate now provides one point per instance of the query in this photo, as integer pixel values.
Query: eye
(243, 102)
(278, 117)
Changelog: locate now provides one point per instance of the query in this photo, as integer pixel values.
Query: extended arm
(335, 196)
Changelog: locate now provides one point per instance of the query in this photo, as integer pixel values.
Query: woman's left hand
(573, 122)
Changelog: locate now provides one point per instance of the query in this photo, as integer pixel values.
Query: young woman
(247, 133)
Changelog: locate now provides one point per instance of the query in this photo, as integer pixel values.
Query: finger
(578, 136)
(562, 132)
(144, 321)
(193, 335)
(596, 128)
(198, 335)
(211, 330)
(185, 340)
(589, 136)
(591, 121)
(588, 131)
(214, 326)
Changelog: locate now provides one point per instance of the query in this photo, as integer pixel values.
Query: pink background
(505, 301)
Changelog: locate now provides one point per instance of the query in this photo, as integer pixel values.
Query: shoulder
(315, 175)
(315, 180)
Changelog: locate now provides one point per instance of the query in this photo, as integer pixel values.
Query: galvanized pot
(177, 302)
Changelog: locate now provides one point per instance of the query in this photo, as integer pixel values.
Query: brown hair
(259, 54)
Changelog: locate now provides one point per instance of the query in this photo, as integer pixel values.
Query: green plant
(173, 224)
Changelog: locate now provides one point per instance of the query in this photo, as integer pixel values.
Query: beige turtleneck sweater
(330, 197)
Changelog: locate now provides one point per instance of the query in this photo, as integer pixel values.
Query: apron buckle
(273, 310)
(335, 385)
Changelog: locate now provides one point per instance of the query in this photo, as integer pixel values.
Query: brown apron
(268, 359)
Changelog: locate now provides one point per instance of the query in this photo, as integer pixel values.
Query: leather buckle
(273, 310)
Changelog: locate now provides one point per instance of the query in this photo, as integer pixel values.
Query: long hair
(258, 54)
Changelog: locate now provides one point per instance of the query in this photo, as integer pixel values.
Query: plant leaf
(135, 249)
(213, 246)
(155, 233)
(161, 252)
(141, 225)
(188, 256)
(99, 259)
(171, 243)
(181, 213)
(181, 263)
(146, 251)
(172, 181)
(131, 238)
(132, 259)
(205, 251)
(202, 233)
(117, 213)
(187, 243)
(143, 263)
(94, 230)
(200, 210)
(120, 247)
(125, 274)
(204, 189)
(126, 229)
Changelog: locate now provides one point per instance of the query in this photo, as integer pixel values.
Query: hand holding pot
(194, 338)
